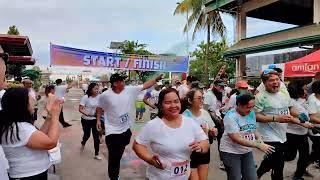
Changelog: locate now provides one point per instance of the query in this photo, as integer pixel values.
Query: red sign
(303, 69)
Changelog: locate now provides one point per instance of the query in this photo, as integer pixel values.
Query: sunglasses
(268, 71)
(5, 57)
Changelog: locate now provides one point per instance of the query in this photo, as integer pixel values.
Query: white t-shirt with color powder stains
(90, 105)
(300, 105)
(235, 123)
(273, 104)
(172, 147)
(119, 108)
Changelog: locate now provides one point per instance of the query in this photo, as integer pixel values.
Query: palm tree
(201, 20)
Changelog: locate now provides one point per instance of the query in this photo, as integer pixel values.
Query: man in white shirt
(60, 92)
(273, 113)
(151, 99)
(117, 104)
(3, 161)
(28, 83)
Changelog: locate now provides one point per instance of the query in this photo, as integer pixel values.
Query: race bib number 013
(124, 118)
(179, 168)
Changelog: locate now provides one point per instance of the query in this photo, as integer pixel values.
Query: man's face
(272, 84)
(2, 73)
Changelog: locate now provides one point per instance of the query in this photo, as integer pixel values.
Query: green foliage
(199, 18)
(15, 70)
(215, 61)
(134, 47)
(13, 30)
(35, 75)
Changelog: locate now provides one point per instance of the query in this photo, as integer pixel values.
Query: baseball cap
(116, 77)
(242, 84)
(274, 67)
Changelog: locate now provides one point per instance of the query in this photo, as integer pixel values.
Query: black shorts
(199, 159)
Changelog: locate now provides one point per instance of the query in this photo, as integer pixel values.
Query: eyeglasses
(5, 57)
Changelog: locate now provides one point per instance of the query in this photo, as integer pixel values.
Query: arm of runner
(81, 110)
(151, 82)
(99, 114)
(143, 153)
(295, 120)
(237, 138)
(146, 101)
(315, 118)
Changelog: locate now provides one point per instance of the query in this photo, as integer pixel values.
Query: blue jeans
(239, 166)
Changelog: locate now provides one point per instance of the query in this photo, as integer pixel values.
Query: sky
(94, 24)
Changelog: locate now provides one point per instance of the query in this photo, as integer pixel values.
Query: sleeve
(311, 107)
(200, 135)
(258, 107)
(144, 136)
(210, 101)
(230, 125)
(83, 100)
(25, 132)
(135, 90)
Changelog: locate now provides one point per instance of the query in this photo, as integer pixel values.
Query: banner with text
(67, 56)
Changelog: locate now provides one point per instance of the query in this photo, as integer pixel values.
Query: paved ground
(81, 166)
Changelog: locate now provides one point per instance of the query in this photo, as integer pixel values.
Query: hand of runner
(265, 148)
(54, 106)
(195, 146)
(158, 78)
(213, 132)
(98, 125)
(155, 161)
(308, 125)
(283, 118)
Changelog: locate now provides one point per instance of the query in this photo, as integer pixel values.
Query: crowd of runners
(184, 121)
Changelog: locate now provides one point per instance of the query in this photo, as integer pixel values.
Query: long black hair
(295, 88)
(161, 99)
(217, 93)
(90, 87)
(15, 103)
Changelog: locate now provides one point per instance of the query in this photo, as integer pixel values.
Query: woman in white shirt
(25, 147)
(48, 91)
(172, 138)
(199, 161)
(314, 113)
(88, 106)
(297, 136)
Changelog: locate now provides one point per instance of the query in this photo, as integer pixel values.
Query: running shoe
(97, 157)
(317, 164)
(307, 174)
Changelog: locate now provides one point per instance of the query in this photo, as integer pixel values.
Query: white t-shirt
(141, 95)
(213, 104)
(203, 120)
(153, 97)
(245, 126)
(90, 105)
(300, 106)
(261, 87)
(60, 91)
(313, 108)
(4, 166)
(1, 94)
(183, 90)
(273, 104)
(23, 161)
(119, 109)
(172, 147)
(232, 103)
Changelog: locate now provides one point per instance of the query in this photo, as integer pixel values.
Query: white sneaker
(97, 157)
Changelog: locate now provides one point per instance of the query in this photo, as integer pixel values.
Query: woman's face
(197, 101)
(245, 109)
(95, 90)
(30, 105)
(171, 105)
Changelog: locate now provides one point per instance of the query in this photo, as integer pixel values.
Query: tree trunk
(206, 73)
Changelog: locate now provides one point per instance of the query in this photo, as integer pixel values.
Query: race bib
(124, 118)
(284, 111)
(180, 168)
(249, 136)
